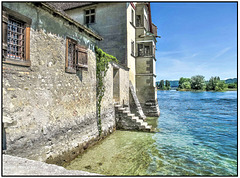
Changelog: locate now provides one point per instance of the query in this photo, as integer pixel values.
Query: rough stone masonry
(53, 113)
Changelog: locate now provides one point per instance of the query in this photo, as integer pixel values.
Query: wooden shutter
(82, 57)
(27, 43)
(4, 35)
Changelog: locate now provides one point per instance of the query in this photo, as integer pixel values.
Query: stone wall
(108, 112)
(54, 111)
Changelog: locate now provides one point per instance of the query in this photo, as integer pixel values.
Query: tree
(197, 82)
(161, 85)
(212, 84)
(182, 80)
(186, 85)
(232, 85)
(220, 86)
(167, 85)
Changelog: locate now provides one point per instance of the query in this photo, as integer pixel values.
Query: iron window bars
(15, 39)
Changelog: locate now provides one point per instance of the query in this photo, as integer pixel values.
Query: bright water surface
(197, 136)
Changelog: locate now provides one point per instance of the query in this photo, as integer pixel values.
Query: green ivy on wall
(103, 60)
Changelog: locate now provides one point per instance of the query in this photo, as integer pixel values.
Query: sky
(196, 39)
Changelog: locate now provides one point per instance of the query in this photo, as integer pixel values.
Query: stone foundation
(151, 108)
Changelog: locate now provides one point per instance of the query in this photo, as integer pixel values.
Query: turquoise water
(197, 135)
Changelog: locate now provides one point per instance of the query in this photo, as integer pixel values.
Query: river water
(197, 135)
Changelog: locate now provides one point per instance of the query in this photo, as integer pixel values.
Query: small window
(132, 48)
(138, 21)
(90, 16)
(145, 50)
(71, 56)
(132, 20)
(140, 50)
(76, 56)
(16, 38)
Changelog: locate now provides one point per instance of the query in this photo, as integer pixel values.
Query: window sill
(151, 56)
(82, 66)
(17, 62)
(70, 70)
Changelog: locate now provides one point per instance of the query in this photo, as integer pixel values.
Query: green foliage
(232, 85)
(197, 82)
(103, 60)
(182, 80)
(220, 86)
(212, 84)
(186, 85)
(161, 85)
(167, 85)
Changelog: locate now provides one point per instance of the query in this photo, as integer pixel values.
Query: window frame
(6, 15)
(77, 49)
(139, 21)
(68, 69)
(89, 15)
(146, 49)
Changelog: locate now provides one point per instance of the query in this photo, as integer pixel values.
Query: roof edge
(80, 6)
(85, 29)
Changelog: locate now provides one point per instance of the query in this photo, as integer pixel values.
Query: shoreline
(235, 89)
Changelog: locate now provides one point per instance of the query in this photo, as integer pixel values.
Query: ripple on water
(197, 136)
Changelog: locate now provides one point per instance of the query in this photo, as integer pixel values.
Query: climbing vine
(103, 60)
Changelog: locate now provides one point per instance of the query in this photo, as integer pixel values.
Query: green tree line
(198, 83)
(164, 85)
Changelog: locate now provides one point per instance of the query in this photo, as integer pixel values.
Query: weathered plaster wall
(110, 23)
(145, 89)
(54, 111)
(131, 38)
(124, 86)
(144, 65)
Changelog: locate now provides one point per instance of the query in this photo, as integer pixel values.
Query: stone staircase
(128, 121)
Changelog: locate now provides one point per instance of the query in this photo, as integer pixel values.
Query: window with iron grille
(76, 56)
(16, 38)
(90, 16)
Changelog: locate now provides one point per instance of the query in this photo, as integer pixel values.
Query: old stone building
(130, 35)
(49, 83)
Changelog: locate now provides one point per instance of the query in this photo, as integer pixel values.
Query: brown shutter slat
(66, 60)
(82, 60)
(27, 44)
(4, 27)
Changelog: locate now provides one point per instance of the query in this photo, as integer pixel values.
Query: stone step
(121, 109)
(116, 103)
(135, 117)
(144, 124)
(149, 127)
(126, 112)
(142, 127)
(117, 106)
(131, 115)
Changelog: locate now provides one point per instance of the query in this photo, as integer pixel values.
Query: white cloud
(220, 53)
